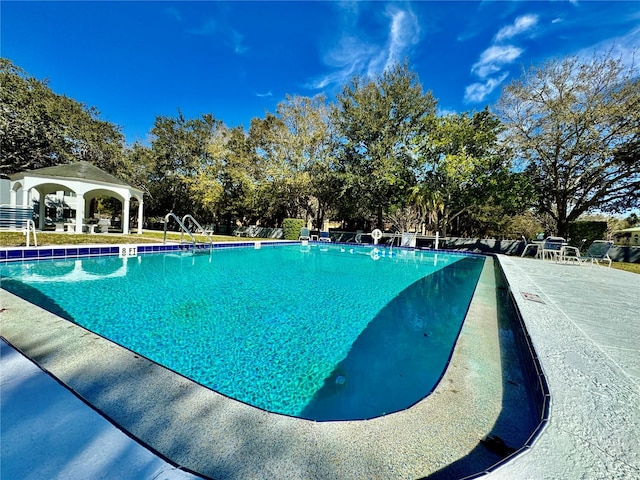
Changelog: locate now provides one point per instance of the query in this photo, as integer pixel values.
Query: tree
(283, 185)
(307, 140)
(576, 127)
(226, 185)
(290, 147)
(376, 122)
(467, 171)
(180, 151)
(39, 128)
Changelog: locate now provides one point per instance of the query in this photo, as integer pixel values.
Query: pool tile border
(17, 254)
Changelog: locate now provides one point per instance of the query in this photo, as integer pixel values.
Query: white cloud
(520, 25)
(490, 67)
(477, 92)
(353, 55)
(443, 112)
(404, 32)
(624, 47)
(231, 37)
(210, 27)
(174, 13)
(350, 57)
(236, 40)
(263, 95)
(494, 58)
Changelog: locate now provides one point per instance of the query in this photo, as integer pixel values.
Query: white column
(79, 212)
(140, 213)
(125, 216)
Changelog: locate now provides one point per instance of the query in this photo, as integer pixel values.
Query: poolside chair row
(305, 234)
(556, 248)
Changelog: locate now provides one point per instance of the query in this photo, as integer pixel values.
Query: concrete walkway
(73, 440)
(586, 331)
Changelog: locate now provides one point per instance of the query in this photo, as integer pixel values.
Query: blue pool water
(325, 333)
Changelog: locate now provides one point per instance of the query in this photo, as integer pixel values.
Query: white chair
(533, 246)
(324, 237)
(597, 252)
(104, 225)
(304, 234)
(552, 248)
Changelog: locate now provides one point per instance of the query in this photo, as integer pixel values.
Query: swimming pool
(329, 333)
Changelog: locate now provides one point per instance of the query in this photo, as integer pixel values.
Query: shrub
(291, 228)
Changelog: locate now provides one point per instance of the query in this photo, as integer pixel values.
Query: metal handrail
(182, 226)
(199, 227)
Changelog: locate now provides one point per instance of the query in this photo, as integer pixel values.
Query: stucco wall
(5, 185)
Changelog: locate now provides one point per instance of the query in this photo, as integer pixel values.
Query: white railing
(30, 227)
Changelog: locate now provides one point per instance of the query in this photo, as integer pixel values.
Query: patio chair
(324, 237)
(552, 248)
(104, 223)
(530, 246)
(571, 253)
(597, 252)
(304, 234)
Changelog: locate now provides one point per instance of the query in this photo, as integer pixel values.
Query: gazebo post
(140, 213)
(42, 210)
(125, 216)
(79, 212)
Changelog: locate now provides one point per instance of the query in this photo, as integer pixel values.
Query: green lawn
(629, 267)
(18, 239)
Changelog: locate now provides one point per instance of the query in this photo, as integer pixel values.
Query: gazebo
(82, 179)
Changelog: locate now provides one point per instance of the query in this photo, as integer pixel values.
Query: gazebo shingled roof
(83, 170)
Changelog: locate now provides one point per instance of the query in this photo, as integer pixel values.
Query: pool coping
(247, 244)
(584, 326)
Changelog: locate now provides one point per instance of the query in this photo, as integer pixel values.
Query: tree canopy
(377, 121)
(564, 139)
(39, 128)
(575, 127)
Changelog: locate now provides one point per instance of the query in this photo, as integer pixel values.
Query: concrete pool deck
(586, 334)
(585, 328)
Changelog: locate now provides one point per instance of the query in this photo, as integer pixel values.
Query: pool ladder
(185, 229)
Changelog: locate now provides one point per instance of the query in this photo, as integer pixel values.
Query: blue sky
(237, 60)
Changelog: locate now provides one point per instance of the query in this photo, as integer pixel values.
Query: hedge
(291, 228)
(589, 230)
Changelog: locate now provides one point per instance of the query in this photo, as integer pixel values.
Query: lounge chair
(531, 246)
(552, 248)
(324, 237)
(304, 234)
(598, 251)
